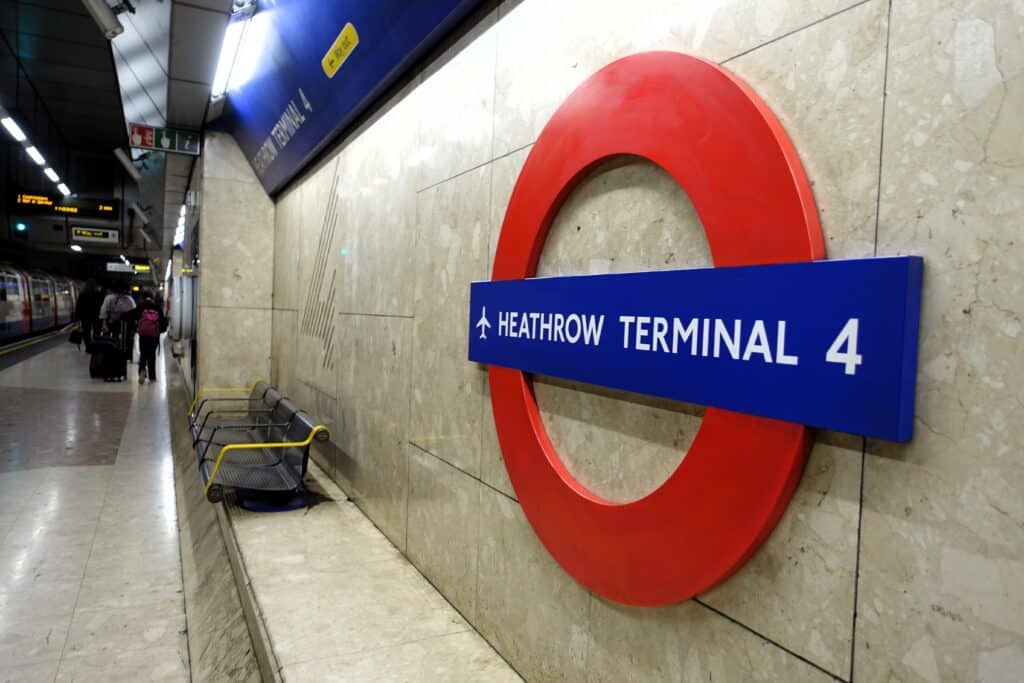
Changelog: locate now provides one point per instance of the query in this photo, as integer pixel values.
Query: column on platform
(236, 259)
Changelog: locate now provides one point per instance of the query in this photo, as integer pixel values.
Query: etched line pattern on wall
(318, 315)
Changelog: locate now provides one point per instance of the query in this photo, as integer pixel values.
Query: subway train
(32, 302)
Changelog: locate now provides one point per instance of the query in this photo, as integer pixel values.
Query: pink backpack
(149, 323)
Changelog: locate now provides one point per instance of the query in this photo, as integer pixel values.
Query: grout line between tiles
(796, 30)
(765, 638)
(864, 443)
(456, 467)
(481, 165)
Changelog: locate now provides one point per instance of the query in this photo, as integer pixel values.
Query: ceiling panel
(187, 106)
(198, 34)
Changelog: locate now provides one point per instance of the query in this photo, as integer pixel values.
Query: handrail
(208, 390)
(249, 446)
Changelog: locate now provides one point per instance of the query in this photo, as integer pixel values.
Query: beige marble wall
(942, 553)
(236, 280)
(892, 562)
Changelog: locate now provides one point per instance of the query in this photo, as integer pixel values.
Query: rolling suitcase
(108, 360)
(115, 365)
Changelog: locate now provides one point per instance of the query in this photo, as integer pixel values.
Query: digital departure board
(99, 235)
(61, 206)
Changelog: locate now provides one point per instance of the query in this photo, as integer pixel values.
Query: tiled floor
(90, 576)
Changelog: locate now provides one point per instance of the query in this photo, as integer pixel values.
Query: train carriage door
(26, 302)
(50, 288)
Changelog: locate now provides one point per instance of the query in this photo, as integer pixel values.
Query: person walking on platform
(87, 310)
(116, 316)
(150, 323)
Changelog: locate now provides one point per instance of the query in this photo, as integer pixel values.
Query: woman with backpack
(150, 323)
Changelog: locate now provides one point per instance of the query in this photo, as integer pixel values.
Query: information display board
(95, 235)
(55, 205)
(311, 67)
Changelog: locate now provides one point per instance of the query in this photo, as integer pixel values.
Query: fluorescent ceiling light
(13, 128)
(36, 156)
(181, 214)
(229, 50)
(75, 247)
(51, 174)
(63, 189)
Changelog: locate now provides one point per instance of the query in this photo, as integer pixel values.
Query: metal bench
(261, 441)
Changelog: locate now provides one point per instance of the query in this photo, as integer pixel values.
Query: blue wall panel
(284, 107)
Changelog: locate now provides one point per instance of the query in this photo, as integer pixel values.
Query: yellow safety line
(249, 446)
(210, 390)
(35, 340)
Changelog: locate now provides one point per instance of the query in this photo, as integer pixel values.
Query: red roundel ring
(723, 145)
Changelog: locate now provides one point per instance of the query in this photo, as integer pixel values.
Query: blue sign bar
(829, 344)
(310, 67)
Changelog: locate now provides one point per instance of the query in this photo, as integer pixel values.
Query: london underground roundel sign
(723, 145)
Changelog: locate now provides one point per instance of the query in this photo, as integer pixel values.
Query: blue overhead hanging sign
(307, 68)
(829, 344)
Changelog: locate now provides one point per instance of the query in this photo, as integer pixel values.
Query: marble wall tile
(534, 613)
(451, 245)
(504, 172)
(684, 642)
(372, 417)
(825, 86)
(546, 49)
(942, 550)
(456, 116)
(798, 588)
(234, 346)
(444, 524)
(283, 349)
(318, 267)
(287, 232)
(236, 243)
(222, 158)
(377, 177)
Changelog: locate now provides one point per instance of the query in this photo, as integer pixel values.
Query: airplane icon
(483, 323)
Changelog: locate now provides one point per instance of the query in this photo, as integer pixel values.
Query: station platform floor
(91, 563)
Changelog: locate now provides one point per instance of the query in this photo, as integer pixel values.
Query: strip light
(229, 49)
(36, 156)
(13, 128)
(15, 131)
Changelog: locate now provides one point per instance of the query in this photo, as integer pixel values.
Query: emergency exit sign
(164, 139)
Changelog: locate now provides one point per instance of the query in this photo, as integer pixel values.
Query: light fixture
(51, 174)
(76, 247)
(12, 127)
(36, 156)
(20, 227)
(63, 189)
(229, 49)
(105, 17)
(126, 161)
